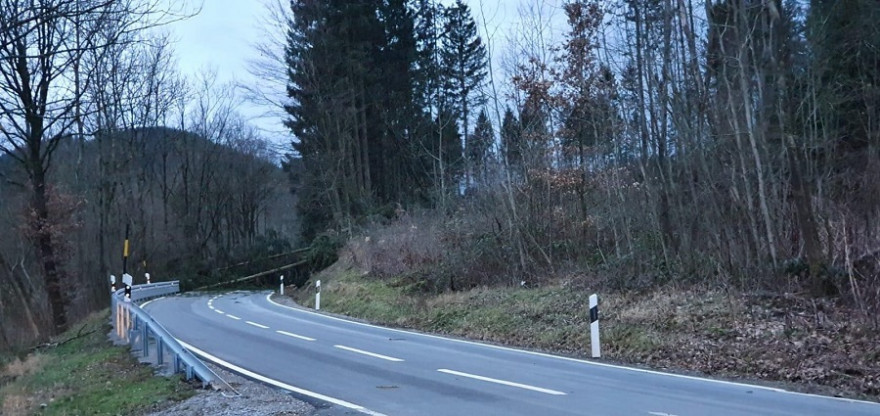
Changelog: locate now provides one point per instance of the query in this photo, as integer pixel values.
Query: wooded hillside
(728, 143)
(101, 135)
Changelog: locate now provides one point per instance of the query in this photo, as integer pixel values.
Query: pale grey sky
(222, 37)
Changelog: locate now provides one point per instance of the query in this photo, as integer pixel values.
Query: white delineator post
(127, 280)
(318, 295)
(147, 275)
(112, 284)
(594, 326)
(281, 290)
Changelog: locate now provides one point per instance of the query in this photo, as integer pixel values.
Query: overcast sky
(222, 37)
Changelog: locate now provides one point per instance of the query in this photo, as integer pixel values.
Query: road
(383, 371)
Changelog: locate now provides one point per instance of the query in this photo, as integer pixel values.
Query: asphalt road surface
(363, 368)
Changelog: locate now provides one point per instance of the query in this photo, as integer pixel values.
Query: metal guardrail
(134, 326)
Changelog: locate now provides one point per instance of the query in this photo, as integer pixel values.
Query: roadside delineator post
(281, 289)
(112, 284)
(147, 275)
(127, 281)
(594, 325)
(318, 295)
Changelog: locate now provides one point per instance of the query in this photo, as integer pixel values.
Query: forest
(730, 143)
(723, 143)
(102, 139)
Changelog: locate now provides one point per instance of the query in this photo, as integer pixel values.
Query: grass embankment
(807, 344)
(83, 373)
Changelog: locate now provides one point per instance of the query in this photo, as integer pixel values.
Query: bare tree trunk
(751, 129)
(42, 225)
(25, 298)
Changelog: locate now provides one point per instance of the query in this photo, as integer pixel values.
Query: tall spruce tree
(398, 115)
(353, 108)
(463, 61)
(427, 17)
(511, 139)
(331, 46)
(845, 41)
(479, 145)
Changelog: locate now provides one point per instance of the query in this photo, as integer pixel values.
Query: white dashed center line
(371, 354)
(256, 324)
(219, 311)
(506, 383)
(233, 317)
(289, 334)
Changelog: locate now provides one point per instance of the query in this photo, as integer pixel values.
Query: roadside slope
(804, 344)
(81, 372)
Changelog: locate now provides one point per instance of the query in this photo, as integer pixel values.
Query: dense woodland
(730, 143)
(100, 133)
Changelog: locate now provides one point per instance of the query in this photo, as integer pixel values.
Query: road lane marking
(233, 317)
(661, 414)
(558, 357)
(504, 382)
(290, 334)
(256, 324)
(219, 311)
(371, 354)
(279, 384)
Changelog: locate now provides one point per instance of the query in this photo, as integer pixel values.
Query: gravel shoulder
(252, 399)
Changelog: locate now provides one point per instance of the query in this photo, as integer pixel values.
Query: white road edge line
(504, 382)
(290, 334)
(219, 311)
(371, 354)
(233, 317)
(558, 357)
(256, 324)
(279, 384)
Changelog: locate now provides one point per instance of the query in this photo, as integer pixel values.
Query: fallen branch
(254, 276)
(79, 334)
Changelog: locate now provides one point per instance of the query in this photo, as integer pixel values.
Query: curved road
(382, 371)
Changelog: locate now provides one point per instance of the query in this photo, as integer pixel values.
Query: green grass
(548, 318)
(690, 329)
(86, 376)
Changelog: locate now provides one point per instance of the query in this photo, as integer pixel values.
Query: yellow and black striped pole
(125, 251)
(125, 280)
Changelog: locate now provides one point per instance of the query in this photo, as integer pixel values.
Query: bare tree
(41, 94)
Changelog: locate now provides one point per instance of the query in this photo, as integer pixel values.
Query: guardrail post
(130, 321)
(146, 335)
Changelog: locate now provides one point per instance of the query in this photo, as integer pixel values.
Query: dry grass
(17, 368)
(404, 246)
(806, 344)
(17, 401)
(82, 373)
